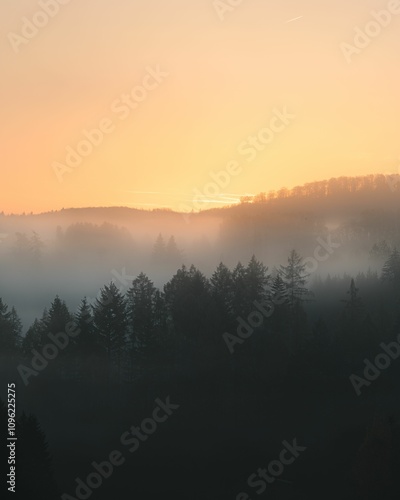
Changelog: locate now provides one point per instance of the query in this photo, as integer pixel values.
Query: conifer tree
(141, 308)
(10, 330)
(110, 321)
(294, 276)
(391, 268)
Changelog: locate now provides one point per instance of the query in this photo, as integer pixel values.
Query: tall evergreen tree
(87, 337)
(188, 301)
(142, 297)
(353, 303)
(239, 299)
(278, 290)
(294, 276)
(10, 330)
(173, 254)
(222, 292)
(110, 321)
(87, 354)
(159, 249)
(36, 245)
(391, 268)
(256, 281)
(58, 316)
(35, 337)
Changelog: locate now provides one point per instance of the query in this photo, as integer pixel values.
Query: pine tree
(142, 314)
(239, 300)
(35, 337)
(222, 293)
(88, 339)
(110, 321)
(222, 287)
(278, 290)
(87, 353)
(159, 249)
(16, 326)
(36, 246)
(278, 296)
(173, 254)
(256, 281)
(294, 276)
(188, 301)
(353, 303)
(391, 268)
(10, 330)
(58, 316)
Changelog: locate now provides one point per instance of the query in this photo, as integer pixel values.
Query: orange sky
(206, 87)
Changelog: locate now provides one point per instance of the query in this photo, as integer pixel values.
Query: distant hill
(365, 205)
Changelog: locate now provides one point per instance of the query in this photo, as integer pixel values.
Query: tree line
(122, 334)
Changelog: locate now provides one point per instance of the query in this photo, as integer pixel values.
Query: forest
(245, 381)
(269, 321)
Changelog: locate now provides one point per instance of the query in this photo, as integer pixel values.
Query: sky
(191, 104)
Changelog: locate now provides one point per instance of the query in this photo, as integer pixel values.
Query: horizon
(149, 114)
(194, 208)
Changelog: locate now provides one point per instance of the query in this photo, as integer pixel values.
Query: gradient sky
(224, 80)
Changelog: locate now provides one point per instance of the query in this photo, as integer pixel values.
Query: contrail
(294, 19)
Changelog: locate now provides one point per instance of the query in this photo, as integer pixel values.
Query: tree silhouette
(188, 301)
(391, 270)
(110, 321)
(222, 291)
(87, 353)
(159, 249)
(173, 254)
(10, 330)
(353, 303)
(294, 276)
(239, 300)
(58, 316)
(35, 337)
(256, 281)
(142, 312)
